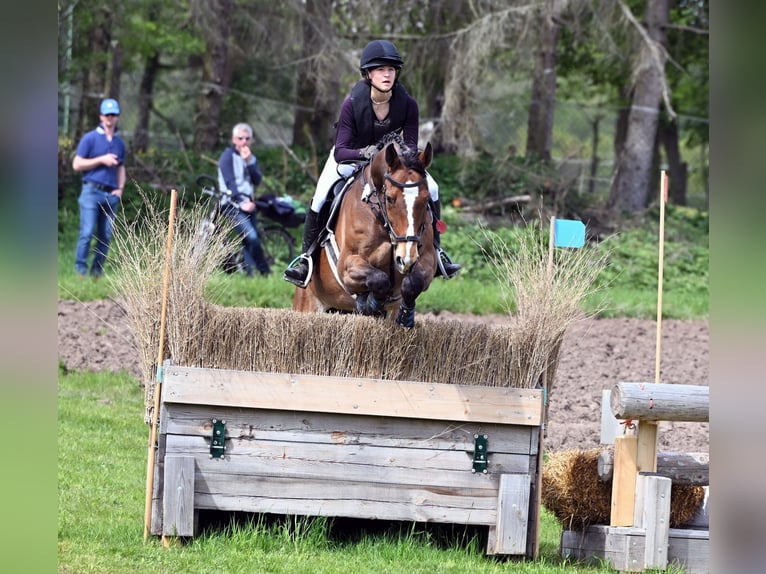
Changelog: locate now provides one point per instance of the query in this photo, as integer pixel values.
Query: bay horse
(384, 237)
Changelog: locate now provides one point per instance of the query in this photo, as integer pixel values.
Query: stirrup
(443, 259)
(294, 263)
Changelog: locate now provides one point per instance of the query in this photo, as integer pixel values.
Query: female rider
(377, 105)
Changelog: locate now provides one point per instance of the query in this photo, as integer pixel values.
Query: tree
(632, 181)
(213, 18)
(543, 100)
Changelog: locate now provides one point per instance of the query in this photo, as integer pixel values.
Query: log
(691, 468)
(661, 402)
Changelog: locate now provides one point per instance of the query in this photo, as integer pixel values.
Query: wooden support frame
(349, 447)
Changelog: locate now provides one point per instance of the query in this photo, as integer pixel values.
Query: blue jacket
(237, 176)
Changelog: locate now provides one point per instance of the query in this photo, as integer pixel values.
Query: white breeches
(333, 171)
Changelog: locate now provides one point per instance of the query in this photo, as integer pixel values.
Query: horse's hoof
(406, 317)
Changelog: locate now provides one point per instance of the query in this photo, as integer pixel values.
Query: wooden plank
(624, 482)
(331, 428)
(610, 426)
(652, 513)
(646, 455)
(352, 396)
(346, 499)
(620, 547)
(688, 468)
(344, 462)
(623, 548)
(661, 402)
(509, 536)
(178, 499)
(689, 549)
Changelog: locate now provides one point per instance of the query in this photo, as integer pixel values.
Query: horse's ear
(427, 155)
(392, 156)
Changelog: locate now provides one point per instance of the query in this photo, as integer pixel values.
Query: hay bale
(573, 492)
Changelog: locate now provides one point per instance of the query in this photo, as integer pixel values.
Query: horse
(384, 237)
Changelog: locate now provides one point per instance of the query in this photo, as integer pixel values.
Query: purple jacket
(358, 127)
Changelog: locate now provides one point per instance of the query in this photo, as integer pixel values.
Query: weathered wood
(509, 536)
(358, 396)
(652, 513)
(360, 448)
(349, 462)
(623, 548)
(355, 499)
(331, 428)
(178, 498)
(688, 468)
(661, 402)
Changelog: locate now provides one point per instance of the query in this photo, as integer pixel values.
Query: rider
(377, 105)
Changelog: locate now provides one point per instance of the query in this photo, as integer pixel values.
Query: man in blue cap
(101, 157)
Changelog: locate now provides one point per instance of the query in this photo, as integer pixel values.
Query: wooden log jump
(688, 468)
(638, 536)
(661, 402)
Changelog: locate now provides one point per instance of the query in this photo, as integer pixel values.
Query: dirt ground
(596, 354)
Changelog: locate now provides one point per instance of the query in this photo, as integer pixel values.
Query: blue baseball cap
(110, 106)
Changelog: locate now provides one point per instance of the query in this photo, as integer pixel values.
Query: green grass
(102, 455)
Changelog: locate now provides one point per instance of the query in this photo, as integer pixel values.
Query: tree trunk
(145, 98)
(543, 104)
(594, 160)
(115, 74)
(94, 82)
(632, 181)
(676, 166)
(216, 76)
(318, 87)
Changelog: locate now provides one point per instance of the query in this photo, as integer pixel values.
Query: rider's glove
(368, 152)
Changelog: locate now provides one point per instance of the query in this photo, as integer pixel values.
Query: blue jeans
(244, 225)
(97, 212)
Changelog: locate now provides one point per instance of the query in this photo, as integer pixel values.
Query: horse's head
(399, 176)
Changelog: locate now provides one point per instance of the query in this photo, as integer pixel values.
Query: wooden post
(158, 384)
(624, 481)
(178, 497)
(653, 515)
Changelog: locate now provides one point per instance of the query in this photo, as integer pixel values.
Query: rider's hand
(247, 206)
(368, 152)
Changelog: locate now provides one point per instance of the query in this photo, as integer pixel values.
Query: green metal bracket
(480, 459)
(218, 440)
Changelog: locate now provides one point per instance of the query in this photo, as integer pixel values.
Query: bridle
(380, 209)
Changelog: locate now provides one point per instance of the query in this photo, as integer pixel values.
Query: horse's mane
(409, 156)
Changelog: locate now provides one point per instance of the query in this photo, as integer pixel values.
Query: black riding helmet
(379, 53)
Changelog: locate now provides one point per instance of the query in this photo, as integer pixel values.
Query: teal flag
(569, 233)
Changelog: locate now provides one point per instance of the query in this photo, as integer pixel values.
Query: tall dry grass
(544, 297)
(519, 354)
(139, 249)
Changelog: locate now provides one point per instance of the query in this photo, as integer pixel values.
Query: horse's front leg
(413, 284)
(370, 284)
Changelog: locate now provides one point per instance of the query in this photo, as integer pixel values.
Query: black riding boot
(444, 265)
(298, 272)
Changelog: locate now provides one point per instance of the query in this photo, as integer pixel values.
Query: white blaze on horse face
(409, 256)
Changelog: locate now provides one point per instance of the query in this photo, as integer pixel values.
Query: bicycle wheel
(278, 245)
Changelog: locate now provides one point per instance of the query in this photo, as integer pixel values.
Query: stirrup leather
(294, 263)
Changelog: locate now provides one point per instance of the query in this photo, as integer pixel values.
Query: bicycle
(277, 242)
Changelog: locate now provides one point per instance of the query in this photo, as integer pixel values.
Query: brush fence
(348, 447)
(639, 537)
